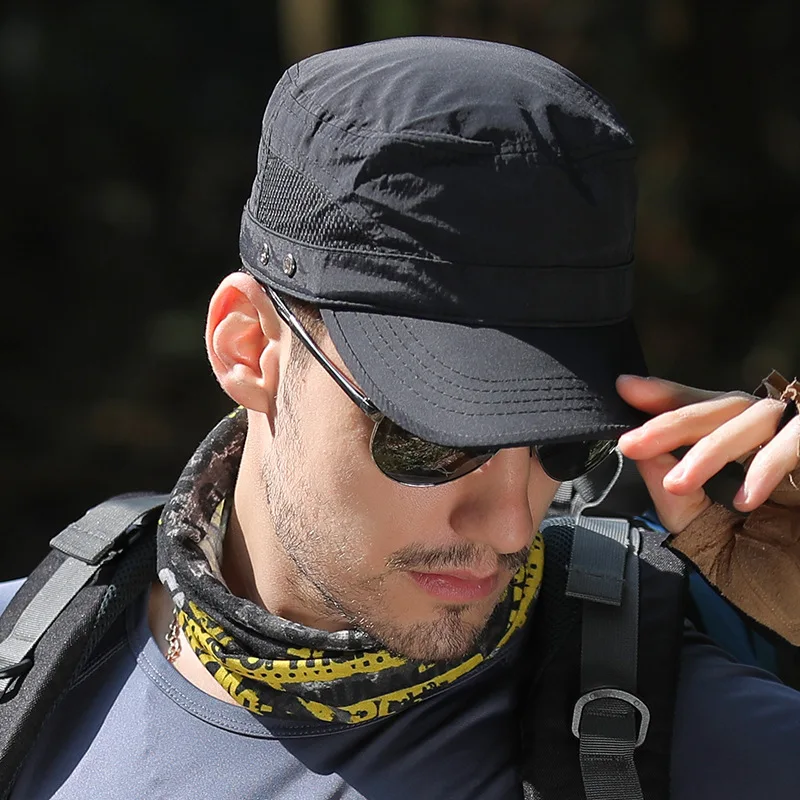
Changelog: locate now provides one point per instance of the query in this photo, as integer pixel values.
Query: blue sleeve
(7, 590)
(737, 729)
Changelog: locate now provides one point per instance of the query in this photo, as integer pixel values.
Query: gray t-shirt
(135, 728)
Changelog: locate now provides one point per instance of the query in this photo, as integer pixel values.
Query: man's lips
(456, 586)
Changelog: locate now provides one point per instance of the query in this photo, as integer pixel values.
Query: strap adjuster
(617, 694)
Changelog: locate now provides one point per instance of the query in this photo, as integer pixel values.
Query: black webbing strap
(89, 543)
(597, 565)
(604, 573)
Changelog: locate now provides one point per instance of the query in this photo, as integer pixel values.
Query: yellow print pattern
(248, 680)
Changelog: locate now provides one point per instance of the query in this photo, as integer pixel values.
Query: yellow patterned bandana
(305, 683)
(272, 665)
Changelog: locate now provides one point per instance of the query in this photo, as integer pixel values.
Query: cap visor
(470, 386)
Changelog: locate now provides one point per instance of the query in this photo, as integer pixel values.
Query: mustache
(461, 555)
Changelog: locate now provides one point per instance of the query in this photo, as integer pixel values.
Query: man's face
(419, 569)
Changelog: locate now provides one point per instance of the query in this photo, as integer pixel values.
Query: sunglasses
(413, 461)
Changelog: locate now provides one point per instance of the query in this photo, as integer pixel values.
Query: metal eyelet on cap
(289, 265)
(264, 255)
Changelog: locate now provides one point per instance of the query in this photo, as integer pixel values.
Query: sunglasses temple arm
(361, 400)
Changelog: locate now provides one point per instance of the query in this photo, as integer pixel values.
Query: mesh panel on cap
(293, 206)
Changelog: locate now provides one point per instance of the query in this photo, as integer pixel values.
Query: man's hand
(718, 428)
(753, 557)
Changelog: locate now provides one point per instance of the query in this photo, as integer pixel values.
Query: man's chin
(451, 636)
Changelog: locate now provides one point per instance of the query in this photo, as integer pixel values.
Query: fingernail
(675, 474)
(742, 496)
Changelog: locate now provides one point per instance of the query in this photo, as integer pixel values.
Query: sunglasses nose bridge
(508, 457)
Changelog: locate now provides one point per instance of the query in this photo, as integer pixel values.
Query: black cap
(463, 213)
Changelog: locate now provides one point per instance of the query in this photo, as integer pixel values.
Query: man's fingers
(719, 428)
(675, 512)
(729, 442)
(770, 466)
(656, 395)
(682, 426)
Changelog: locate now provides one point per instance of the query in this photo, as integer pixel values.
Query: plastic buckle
(617, 694)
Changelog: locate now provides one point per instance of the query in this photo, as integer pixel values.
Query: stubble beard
(453, 632)
(449, 635)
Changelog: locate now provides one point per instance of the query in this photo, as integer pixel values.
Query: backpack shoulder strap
(597, 721)
(604, 574)
(95, 567)
(88, 543)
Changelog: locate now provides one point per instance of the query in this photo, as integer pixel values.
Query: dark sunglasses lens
(408, 459)
(566, 461)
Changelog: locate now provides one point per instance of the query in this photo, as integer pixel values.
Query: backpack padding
(664, 582)
(69, 641)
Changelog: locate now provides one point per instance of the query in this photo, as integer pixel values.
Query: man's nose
(492, 506)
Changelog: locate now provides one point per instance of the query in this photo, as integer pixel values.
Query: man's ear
(244, 340)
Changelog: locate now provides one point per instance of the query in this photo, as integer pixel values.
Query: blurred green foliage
(131, 132)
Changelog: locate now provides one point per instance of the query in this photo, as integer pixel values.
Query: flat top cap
(460, 89)
(443, 200)
(442, 151)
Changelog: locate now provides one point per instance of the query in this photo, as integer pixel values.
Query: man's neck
(256, 567)
(255, 564)
(160, 615)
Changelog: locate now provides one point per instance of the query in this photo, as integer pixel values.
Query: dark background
(130, 133)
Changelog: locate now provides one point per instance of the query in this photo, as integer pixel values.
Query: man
(431, 332)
